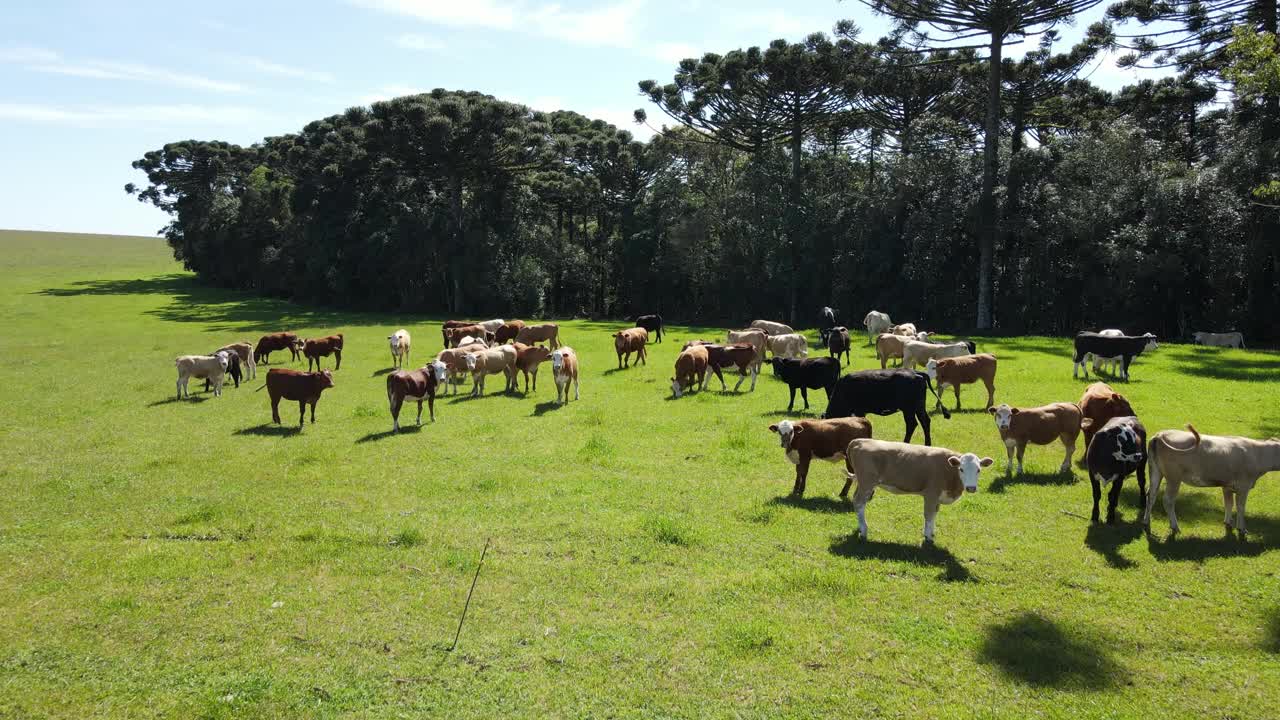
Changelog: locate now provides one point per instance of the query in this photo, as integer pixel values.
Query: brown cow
(415, 385)
(449, 325)
(838, 343)
(630, 341)
(964, 370)
(1098, 405)
(691, 369)
(1038, 425)
(546, 332)
(305, 387)
(825, 439)
(508, 331)
(272, 342)
(528, 358)
(742, 356)
(316, 348)
(454, 335)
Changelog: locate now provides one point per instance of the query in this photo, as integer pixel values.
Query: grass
(188, 559)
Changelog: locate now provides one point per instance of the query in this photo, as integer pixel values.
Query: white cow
(1228, 339)
(1234, 464)
(793, 345)
(491, 326)
(876, 322)
(399, 341)
(772, 328)
(905, 330)
(202, 367)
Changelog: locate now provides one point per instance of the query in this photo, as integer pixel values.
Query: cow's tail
(929, 384)
(1192, 429)
(259, 389)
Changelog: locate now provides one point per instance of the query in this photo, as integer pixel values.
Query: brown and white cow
(201, 367)
(691, 369)
(964, 370)
(399, 342)
(272, 342)
(414, 386)
(449, 325)
(545, 332)
(493, 361)
(528, 358)
(630, 341)
(1037, 425)
(454, 335)
(755, 337)
(305, 387)
(803, 440)
(455, 361)
(1098, 405)
(741, 356)
(564, 370)
(316, 348)
(1232, 463)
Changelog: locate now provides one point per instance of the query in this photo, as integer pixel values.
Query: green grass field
(163, 558)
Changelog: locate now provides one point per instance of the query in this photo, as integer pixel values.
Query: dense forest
(924, 174)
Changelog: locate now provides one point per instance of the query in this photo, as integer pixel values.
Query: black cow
(885, 392)
(838, 343)
(652, 323)
(816, 373)
(233, 369)
(828, 324)
(1126, 347)
(1116, 450)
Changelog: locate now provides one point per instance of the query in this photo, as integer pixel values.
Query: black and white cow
(1125, 347)
(885, 392)
(1116, 450)
(805, 374)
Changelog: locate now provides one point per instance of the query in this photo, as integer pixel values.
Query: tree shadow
(404, 430)
(1106, 540)
(1035, 651)
(543, 408)
(271, 430)
(196, 398)
(1271, 640)
(814, 503)
(170, 284)
(1041, 479)
(851, 546)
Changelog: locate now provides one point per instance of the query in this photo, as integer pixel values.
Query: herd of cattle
(1116, 443)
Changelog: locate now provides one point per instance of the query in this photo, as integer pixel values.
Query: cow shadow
(197, 398)
(1106, 540)
(851, 546)
(543, 408)
(383, 371)
(271, 430)
(810, 413)
(1036, 651)
(1042, 479)
(1202, 508)
(384, 434)
(814, 503)
(616, 370)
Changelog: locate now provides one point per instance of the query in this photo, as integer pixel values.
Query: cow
(233, 368)
(939, 475)
(564, 370)
(630, 341)
(1098, 405)
(508, 332)
(305, 387)
(451, 324)
(454, 335)
(414, 385)
(885, 392)
(772, 328)
(481, 364)
(1126, 347)
(1230, 462)
(827, 325)
(838, 343)
(876, 322)
(652, 324)
(1039, 426)
(803, 374)
(272, 342)
(316, 348)
(399, 341)
(915, 352)
(528, 358)
(244, 350)
(491, 326)
(212, 367)
(754, 337)
(958, 371)
(742, 356)
(803, 440)
(1111, 363)
(455, 361)
(546, 332)
(1117, 449)
(907, 330)
(793, 345)
(691, 369)
(889, 346)
(1227, 339)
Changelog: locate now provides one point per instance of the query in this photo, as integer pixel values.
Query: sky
(88, 87)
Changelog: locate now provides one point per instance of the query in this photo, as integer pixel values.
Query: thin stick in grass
(473, 589)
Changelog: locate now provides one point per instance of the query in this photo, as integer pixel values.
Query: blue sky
(90, 86)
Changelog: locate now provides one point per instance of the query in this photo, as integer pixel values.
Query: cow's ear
(954, 461)
(1117, 397)
(991, 410)
(985, 462)
(797, 429)
(1014, 411)
(772, 428)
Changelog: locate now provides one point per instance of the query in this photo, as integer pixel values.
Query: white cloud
(675, 52)
(415, 41)
(779, 23)
(47, 61)
(622, 119)
(95, 116)
(471, 13)
(611, 25)
(265, 66)
(27, 55)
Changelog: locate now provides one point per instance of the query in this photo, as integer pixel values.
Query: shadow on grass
(170, 284)
(1225, 364)
(1271, 640)
(810, 413)
(1106, 540)
(171, 400)
(1035, 651)
(814, 503)
(1042, 479)
(543, 408)
(271, 430)
(1204, 507)
(616, 370)
(407, 429)
(383, 371)
(851, 546)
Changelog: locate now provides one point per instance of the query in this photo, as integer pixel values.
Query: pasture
(164, 558)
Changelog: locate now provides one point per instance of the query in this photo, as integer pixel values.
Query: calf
(450, 325)
(885, 392)
(838, 343)
(1232, 463)
(508, 332)
(233, 368)
(793, 345)
(1227, 339)
(244, 350)
(958, 371)
(399, 341)
(272, 342)
(534, 334)
(754, 337)
(1116, 450)
(1098, 405)
(491, 362)
(455, 335)
(741, 356)
(414, 385)
(1040, 426)
(316, 348)
(691, 369)
(825, 439)
(652, 324)
(889, 346)
(1125, 347)
(915, 352)
(630, 341)
(907, 330)
(803, 374)
(564, 370)
(528, 358)
(876, 323)
(939, 475)
(305, 387)
(772, 328)
(211, 367)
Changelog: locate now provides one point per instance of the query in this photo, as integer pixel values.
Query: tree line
(937, 180)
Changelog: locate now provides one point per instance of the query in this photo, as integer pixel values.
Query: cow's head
(471, 361)
(1151, 342)
(787, 431)
(224, 359)
(931, 369)
(676, 390)
(925, 336)
(439, 369)
(1003, 415)
(968, 466)
(557, 361)
(326, 379)
(1128, 446)
(1118, 406)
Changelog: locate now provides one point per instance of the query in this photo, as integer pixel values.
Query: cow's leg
(1241, 495)
(1228, 504)
(910, 420)
(1142, 482)
(1097, 495)
(577, 386)
(178, 387)
(1170, 503)
(394, 403)
(337, 353)
(431, 406)
(419, 421)
(1068, 442)
(804, 393)
(1124, 365)
(991, 392)
(1022, 448)
(1009, 445)
(755, 373)
(1153, 492)
(1113, 498)
(792, 404)
(861, 497)
(802, 472)
(275, 409)
(742, 375)
(720, 377)
(930, 517)
(302, 412)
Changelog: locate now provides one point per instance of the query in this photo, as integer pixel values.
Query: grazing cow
(233, 368)
(508, 332)
(827, 325)
(652, 324)
(564, 370)
(965, 370)
(940, 475)
(399, 341)
(546, 332)
(1112, 363)
(1098, 405)
(803, 440)
(1040, 426)
(454, 335)
(793, 345)
(803, 374)
(630, 341)
(305, 387)
(915, 352)
(272, 342)
(244, 350)
(200, 367)
(1227, 339)
(754, 337)
(451, 324)
(742, 356)
(907, 330)
(885, 392)
(876, 323)
(889, 346)
(1126, 347)
(772, 328)
(414, 385)
(691, 369)
(1230, 462)
(528, 358)
(481, 364)
(316, 348)
(1118, 449)
(838, 343)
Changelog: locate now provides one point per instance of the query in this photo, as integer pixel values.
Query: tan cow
(963, 371)
(907, 330)
(889, 346)
(564, 370)
(915, 352)
(691, 369)
(244, 350)
(201, 367)
(630, 341)
(754, 337)
(546, 332)
(1232, 463)
(793, 345)
(1039, 425)
(455, 361)
(528, 358)
(828, 440)
(772, 328)
(493, 361)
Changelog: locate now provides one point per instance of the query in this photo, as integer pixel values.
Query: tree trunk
(793, 229)
(987, 204)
